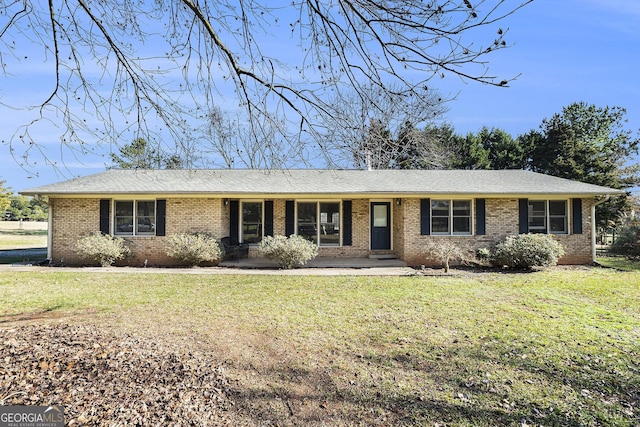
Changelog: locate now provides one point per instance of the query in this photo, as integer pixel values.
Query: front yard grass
(620, 263)
(558, 347)
(20, 239)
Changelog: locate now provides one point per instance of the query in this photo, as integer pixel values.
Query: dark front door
(380, 225)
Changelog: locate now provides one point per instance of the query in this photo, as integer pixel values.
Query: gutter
(606, 198)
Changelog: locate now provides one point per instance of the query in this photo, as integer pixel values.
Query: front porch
(319, 262)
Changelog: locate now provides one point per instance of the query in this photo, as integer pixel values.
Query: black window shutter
(576, 212)
(481, 217)
(523, 207)
(268, 217)
(105, 205)
(161, 217)
(234, 217)
(347, 223)
(425, 217)
(289, 218)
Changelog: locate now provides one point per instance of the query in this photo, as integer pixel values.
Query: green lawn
(19, 239)
(22, 246)
(559, 347)
(620, 263)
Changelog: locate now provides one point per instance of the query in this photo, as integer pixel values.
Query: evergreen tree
(488, 149)
(141, 155)
(589, 144)
(504, 151)
(469, 152)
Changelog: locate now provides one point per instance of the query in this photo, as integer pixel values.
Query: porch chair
(234, 249)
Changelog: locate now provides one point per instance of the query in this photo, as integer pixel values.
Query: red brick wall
(75, 218)
(399, 223)
(501, 221)
(71, 220)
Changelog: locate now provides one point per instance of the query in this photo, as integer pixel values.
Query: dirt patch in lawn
(272, 382)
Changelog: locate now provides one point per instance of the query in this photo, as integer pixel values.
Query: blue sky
(567, 51)
(564, 50)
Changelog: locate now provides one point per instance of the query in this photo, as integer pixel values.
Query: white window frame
(241, 222)
(547, 217)
(319, 221)
(451, 231)
(134, 232)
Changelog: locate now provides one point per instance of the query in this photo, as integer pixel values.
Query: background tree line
(582, 142)
(15, 208)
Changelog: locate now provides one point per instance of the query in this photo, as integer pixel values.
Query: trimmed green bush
(194, 248)
(627, 242)
(526, 251)
(483, 256)
(288, 251)
(102, 248)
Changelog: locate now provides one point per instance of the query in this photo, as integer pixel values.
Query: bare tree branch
(157, 70)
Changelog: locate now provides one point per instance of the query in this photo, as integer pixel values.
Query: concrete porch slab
(318, 267)
(325, 266)
(322, 262)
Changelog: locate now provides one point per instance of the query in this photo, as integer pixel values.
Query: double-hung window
(319, 222)
(135, 217)
(548, 216)
(252, 223)
(451, 217)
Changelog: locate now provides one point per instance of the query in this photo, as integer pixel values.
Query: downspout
(593, 225)
(50, 230)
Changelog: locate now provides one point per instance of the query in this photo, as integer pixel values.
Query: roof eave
(355, 194)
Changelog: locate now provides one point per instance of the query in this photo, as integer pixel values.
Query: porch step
(383, 256)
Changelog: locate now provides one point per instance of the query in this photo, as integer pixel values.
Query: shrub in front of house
(102, 248)
(446, 251)
(525, 251)
(194, 248)
(483, 256)
(627, 242)
(288, 251)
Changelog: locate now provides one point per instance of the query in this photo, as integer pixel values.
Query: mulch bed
(102, 378)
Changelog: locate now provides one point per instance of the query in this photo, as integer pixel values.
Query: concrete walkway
(317, 267)
(321, 262)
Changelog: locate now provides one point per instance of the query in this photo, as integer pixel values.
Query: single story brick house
(347, 213)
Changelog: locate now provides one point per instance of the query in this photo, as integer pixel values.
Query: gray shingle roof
(321, 182)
